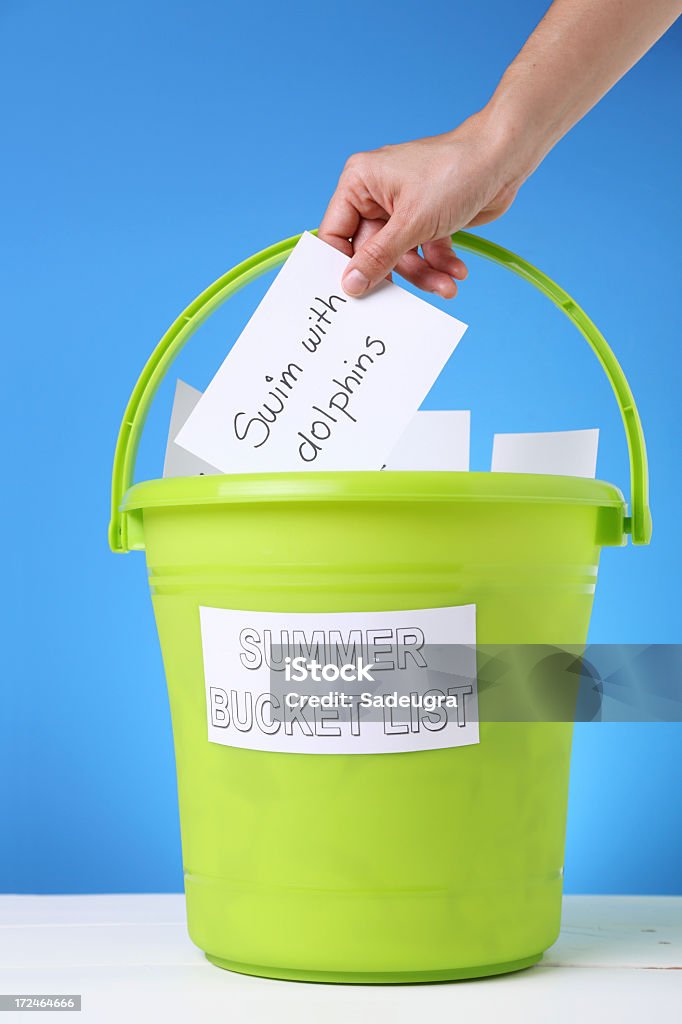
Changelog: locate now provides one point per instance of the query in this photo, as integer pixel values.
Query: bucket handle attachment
(638, 524)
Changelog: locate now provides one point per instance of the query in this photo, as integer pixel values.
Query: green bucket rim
(374, 486)
(126, 498)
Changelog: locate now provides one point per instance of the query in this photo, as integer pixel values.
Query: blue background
(149, 147)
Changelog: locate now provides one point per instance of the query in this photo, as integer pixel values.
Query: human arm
(390, 201)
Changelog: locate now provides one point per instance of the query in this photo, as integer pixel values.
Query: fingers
(363, 223)
(367, 228)
(340, 222)
(440, 256)
(434, 272)
(378, 256)
(351, 204)
(422, 274)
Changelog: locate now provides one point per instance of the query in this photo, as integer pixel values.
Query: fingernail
(447, 291)
(355, 282)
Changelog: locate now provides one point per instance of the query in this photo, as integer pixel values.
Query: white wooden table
(618, 959)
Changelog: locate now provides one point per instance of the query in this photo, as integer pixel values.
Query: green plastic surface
(639, 523)
(373, 867)
(406, 867)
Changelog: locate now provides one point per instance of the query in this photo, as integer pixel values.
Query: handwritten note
(434, 440)
(318, 380)
(557, 453)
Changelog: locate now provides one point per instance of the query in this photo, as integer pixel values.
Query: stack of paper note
(558, 453)
(321, 381)
(318, 380)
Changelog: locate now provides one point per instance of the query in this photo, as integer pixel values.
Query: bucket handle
(638, 524)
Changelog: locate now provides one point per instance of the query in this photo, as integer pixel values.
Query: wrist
(529, 118)
(512, 136)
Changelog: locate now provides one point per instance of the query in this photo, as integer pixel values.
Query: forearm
(392, 201)
(579, 50)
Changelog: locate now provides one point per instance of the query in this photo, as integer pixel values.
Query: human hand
(391, 201)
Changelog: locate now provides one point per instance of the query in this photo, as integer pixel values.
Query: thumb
(377, 256)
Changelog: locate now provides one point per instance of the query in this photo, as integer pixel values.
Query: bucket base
(375, 977)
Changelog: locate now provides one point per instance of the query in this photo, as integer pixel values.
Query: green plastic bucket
(418, 866)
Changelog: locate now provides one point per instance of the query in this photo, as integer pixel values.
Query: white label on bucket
(341, 682)
(318, 380)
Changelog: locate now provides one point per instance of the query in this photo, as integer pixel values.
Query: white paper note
(179, 462)
(318, 380)
(559, 453)
(434, 440)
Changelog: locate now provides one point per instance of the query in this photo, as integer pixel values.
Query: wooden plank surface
(618, 958)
